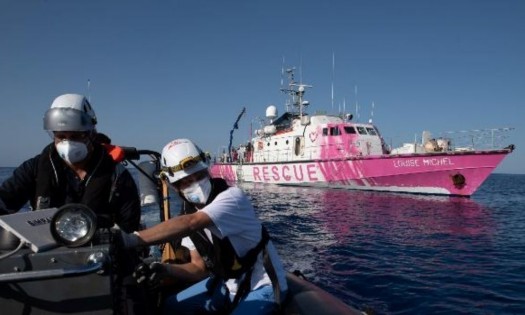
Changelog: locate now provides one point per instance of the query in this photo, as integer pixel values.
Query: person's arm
(174, 228)
(18, 189)
(128, 203)
(193, 271)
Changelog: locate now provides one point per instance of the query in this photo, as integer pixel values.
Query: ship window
(286, 141)
(371, 131)
(361, 130)
(325, 131)
(334, 131)
(350, 129)
(275, 143)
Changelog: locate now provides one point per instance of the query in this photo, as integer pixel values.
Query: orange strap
(116, 152)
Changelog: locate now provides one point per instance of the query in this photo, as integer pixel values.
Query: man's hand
(150, 275)
(129, 240)
(158, 271)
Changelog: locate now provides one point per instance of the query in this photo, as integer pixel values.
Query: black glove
(150, 274)
(126, 240)
(141, 273)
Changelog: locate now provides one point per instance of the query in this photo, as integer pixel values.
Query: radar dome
(271, 112)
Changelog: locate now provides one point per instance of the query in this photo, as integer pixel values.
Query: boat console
(57, 260)
(63, 279)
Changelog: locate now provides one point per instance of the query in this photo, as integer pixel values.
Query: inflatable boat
(42, 271)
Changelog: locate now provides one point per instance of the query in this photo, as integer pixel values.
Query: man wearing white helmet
(74, 168)
(226, 240)
(77, 168)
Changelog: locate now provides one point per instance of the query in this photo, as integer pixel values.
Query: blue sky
(160, 70)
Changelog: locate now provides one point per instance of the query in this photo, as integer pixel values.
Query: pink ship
(332, 151)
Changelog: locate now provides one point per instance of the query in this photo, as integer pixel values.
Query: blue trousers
(198, 300)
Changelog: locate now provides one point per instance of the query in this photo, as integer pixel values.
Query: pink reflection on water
(401, 216)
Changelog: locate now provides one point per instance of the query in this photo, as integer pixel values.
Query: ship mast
(296, 92)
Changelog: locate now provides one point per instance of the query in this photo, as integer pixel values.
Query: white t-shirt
(234, 217)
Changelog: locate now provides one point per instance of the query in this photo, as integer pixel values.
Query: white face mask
(72, 151)
(198, 192)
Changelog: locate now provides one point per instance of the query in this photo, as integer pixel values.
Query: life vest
(218, 254)
(96, 191)
(222, 260)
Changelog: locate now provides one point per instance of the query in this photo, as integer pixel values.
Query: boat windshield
(350, 129)
(361, 130)
(332, 131)
(371, 131)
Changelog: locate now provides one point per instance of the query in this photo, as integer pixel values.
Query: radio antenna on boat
(301, 69)
(356, 104)
(88, 90)
(371, 113)
(282, 73)
(333, 78)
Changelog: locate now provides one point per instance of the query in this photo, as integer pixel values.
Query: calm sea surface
(399, 253)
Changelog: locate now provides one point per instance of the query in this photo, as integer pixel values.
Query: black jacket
(123, 209)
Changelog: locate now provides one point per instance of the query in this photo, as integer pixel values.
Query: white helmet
(70, 112)
(181, 158)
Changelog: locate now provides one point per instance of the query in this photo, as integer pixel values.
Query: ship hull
(447, 173)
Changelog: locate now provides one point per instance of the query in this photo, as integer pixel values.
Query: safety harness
(96, 191)
(223, 262)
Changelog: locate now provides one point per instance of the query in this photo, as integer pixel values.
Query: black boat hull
(67, 281)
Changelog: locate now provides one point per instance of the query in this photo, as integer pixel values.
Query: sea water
(406, 254)
(401, 253)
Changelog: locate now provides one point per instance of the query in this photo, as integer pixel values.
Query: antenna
(301, 69)
(372, 113)
(88, 90)
(333, 78)
(356, 104)
(282, 73)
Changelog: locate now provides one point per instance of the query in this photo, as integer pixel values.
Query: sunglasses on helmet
(185, 163)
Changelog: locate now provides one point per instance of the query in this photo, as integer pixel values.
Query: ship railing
(466, 140)
(477, 139)
(280, 155)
